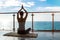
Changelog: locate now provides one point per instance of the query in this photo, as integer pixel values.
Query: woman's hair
(21, 12)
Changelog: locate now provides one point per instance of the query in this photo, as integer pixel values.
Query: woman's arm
(26, 13)
(18, 13)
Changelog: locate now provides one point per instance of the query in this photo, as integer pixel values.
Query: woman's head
(21, 13)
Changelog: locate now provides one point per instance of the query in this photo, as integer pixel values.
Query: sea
(37, 25)
(42, 25)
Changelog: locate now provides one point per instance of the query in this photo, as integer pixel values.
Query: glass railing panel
(41, 21)
(57, 21)
(6, 21)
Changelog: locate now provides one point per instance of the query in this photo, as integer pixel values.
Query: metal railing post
(52, 23)
(32, 22)
(14, 22)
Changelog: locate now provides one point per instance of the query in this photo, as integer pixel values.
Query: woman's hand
(22, 7)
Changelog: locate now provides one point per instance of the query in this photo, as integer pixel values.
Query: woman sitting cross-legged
(21, 22)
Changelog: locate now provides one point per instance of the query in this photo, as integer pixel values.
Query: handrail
(31, 12)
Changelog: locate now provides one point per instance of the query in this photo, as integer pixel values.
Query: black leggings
(24, 31)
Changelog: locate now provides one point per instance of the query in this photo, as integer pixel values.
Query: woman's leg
(27, 31)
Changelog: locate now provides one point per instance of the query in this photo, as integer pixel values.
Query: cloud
(8, 3)
(42, 0)
(14, 5)
(48, 8)
(28, 4)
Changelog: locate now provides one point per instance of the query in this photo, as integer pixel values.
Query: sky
(29, 5)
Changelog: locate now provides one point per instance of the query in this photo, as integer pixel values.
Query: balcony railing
(42, 21)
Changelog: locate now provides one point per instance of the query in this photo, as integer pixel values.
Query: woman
(21, 21)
